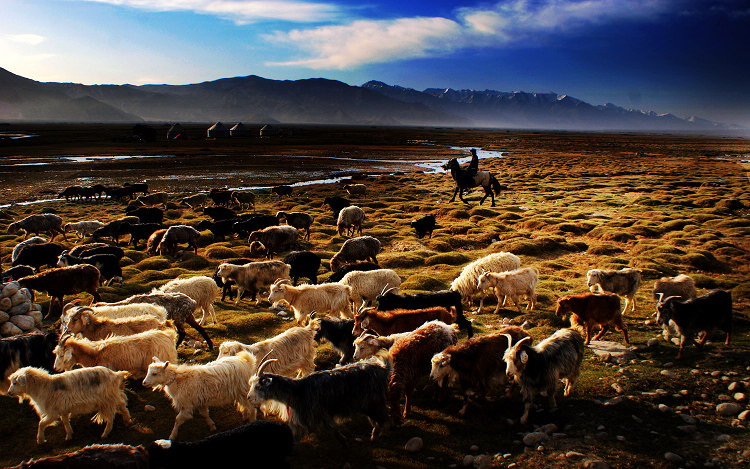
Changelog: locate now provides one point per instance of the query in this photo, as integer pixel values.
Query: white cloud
(26, 39)
(241, 11)
(507, 22)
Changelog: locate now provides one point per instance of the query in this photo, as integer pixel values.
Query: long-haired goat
(27, 350)
(399, 320)
(367, 285)
(467, 281)
(537, 369)
(294, 349)
(304, 299)
(591, 309)
(255, 277)
(513, 284)
(85, 322)
(623, 282)
(63, 281)
(39, 223)
(200, 288)
(338, 332)
(95, 389)
(389, 300)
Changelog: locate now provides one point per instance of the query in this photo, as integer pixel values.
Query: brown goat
(152, 244)
(400, 320)
(590, 309)
(63, 281)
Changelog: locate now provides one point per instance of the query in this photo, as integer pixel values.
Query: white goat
(83, 228)
(368, 344)
(93, 327)
(202, 289)
(466, 282)
(367, 285)
(511, 284)
(97, 389)
(131, 353)
(294, 349)
(305, 299)
(117, 311)
(195, 387)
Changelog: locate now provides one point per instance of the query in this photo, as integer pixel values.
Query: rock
(4, 317)
(149, 408)
(506, 321)
(728, 409)
(414, 444)
(744, 415)
(618, 388)
(724, 397)
(573, 455)
(468, 460)
(10, 289)
(652, 342)
(672, 457)
(19, 309)
(615, 400)
(482, 461)
(549, 428)
(716, 373)
(534, 438)
(740, 396)
(559, 436)
(675, 340)
(669, 374)
(733, 386)
(5, 304)
(18, 298)
(37, 315)
(600, 428)
(25, 323)
(668, 365)
(474, 448)
(664, 408)
(594, 464)
(688, 419)
(620, 438)
(616, 352)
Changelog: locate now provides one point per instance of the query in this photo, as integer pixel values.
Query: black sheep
(37, 255)
(219, 213)
(336, 203)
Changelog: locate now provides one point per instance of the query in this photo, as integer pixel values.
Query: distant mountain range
(253, 99)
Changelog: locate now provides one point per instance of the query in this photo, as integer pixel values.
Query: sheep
(147, 214)
(219, 213)
(350, 219)
(70, 191)
(269, 443)
(85, 322)
(113, 228)
(305, 299)
(95, 389)
(338, 332)
(299, 220)
(196, 387)
(389, 300)
(14, 273)
(699, 315)
(178, 234)
(226, 285)
(139, 231)
(467, 281)
(33, 240)
(623, 282)
(220, 228)
(356, 249)
(253, 223)
(255, 277)
(424, 226)
(303, 264)
(411, 361)
(154, 198)
(179, 306)
(399, 320)
(355, 189)
(202, 289)
(108, 265)
(317, 401)
(336, 203)
(138, 187)
(152, 244)
(681, 286)
(63, 281)
(274, 239)
(590, 309)
(282, 190)
(294, 349)
(38, 255)
(361, 266)
(220, 196)
(513, 284)
(26, 350)
(89, 249)
(196, 200)
(113, 456)
(366, 286)
(39, 223)
(243, 199)
(537, 369)
(131, 353)
(475, 364)
(83, 228)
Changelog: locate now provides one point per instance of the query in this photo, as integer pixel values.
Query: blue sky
(680, 56)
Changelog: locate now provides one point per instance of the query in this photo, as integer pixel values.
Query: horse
(467, 178)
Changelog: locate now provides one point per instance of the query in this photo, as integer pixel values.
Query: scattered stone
(602, 434)
(534, 438)
(672, 457)
(618, 388)
(594, 464)
(507, 455)
(549, 428)
(617, 352)
(724, 397)
(669, 374)
(668, 365)
(474, 448)
(688, 419)
(482, 461)
(728, 409)
(733, 386)
(574, 455)
(540, 448)
(149, 408)
(744, 415)
(468, 460)
(600, 428)
(739, 396)
(414, 444)
(664, 408)
(558, 436)
(615, 400)
(684, 392)
(620, 438)
(716, 373)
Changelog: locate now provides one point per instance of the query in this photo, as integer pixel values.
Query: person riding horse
(471, 177)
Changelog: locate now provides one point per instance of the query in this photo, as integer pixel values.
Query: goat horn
(510, 339)
(661, 297)
(670, 297)
(312, 315)
(385, 292)
(519, 342)
(264, 364)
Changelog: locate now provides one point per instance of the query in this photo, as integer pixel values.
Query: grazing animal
(476, 364)
(513, 284)
(219, 213)
(350, 219)
(591, 309)
(34, 349)
(114, 456)
(120, 311)
(38, 255)
(256, 222)
(681, 286)
(294, 350)
(153, 241)
(338, 332)
(336, 203)
(196, 200)
(255, 277)
(274, 239)
(282, 190)
(226, 285)
(113, 229)
(389, 300)
(220, 228)
(196, 387)
(148, 214)
(467, 281)
(305, 299)
(94, 389)
(83, 228)
(16, 272)
(87, 250)
(359, 266)
(220, 196)
(269, 443)
(537, 369)
(243, 199)
(85, 322)
(303, 264)
(367, 285)
(40, 223)
(467, 179)
(299, 220)
(424, 226)
(139, 231)
(203, 290)
(18, 247)
(153, 198)
(63, 281)
(362, 248)
(131, 353)
(108, 265)
(700, 315)
(355, 189)
(315, 402)
(178, 234)
(399, 320)
(623, 282)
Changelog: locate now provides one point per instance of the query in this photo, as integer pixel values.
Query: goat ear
(166, 364)
(524, 356)
(21, 380)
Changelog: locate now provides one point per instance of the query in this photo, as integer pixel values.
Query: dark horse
(467, 178)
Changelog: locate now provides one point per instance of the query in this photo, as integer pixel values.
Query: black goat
(445, 298)
(37, 255)
(304, 264)
(220, 196)
(424, 226)
(26, 350)
(14, 273)
(220, 228)
(256, 222)
(90, 250)
(147, 214)
(282, 190)
(338, 332)
(361, 266)
(108, 265)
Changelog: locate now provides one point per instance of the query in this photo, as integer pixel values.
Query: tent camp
(176, 132)
(239, 130)
(218, 130)
(269, 131)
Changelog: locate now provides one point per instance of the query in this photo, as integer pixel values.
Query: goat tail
(495, 184)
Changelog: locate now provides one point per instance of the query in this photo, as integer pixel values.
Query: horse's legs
(454, 194)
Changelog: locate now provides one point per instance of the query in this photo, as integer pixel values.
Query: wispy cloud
(26, 39)
(241, 11)
(506, 23)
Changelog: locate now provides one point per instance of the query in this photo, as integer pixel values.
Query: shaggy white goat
(202, 289)
(466, 283)
(511, 284)
(305, 299)
(92, 327)
(294, 349)
(83, 228)
(367, 285)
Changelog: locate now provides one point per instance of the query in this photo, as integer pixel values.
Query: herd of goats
(385, 349)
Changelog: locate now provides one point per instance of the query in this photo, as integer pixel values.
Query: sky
(687, 57)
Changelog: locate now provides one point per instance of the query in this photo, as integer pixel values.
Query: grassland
(662, 203)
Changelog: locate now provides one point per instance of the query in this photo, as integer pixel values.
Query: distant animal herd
(385, 350)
